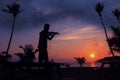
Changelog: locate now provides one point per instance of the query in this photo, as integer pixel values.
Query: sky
(81, 32)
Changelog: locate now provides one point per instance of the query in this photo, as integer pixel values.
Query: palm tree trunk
(13, 24)
(106, 36)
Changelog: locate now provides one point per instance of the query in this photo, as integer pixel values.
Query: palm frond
(29, 52)
(5, 10)
(116, 13)
(114, 41)
(99, 8)
(116, 31)
(14, 9)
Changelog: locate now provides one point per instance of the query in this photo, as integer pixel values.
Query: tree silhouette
(115, 40)
(99, 8)
(13, 9)
(116, 13)
(80, 61)
(28, 55)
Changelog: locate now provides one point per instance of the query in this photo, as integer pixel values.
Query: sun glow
(92, 55)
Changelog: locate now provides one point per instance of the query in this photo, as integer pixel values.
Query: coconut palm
(80, 61)
(29, 53)
(115, 40)
(13, 9)
(99, 8)
(116, 13)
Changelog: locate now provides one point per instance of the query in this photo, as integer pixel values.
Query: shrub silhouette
(28, 54)
(80, 61)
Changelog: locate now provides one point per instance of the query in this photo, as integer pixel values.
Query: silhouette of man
(42, 46)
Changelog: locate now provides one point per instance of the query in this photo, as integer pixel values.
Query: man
(42, 46)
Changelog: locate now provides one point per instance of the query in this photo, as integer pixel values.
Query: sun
(92, 55)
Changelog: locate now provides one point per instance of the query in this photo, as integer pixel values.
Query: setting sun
(92, 55)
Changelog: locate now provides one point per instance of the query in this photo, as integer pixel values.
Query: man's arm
(51, 35)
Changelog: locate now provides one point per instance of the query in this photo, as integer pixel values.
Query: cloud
(37, 12)
(80, 33)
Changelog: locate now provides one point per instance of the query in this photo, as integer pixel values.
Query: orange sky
(79, 43)
(72, 42)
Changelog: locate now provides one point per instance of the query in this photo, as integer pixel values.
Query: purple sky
(74, 19)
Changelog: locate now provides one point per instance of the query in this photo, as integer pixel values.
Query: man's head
(46, 27)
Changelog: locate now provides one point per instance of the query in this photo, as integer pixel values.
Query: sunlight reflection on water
(93, 65)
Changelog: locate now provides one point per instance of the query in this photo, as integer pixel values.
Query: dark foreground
(88, 73)
(75, 73)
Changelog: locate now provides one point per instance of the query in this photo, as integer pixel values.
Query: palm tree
(80, 61)
(99, 8)
(29, 53)
(116, 13)
(115, 40)
(13, 9)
